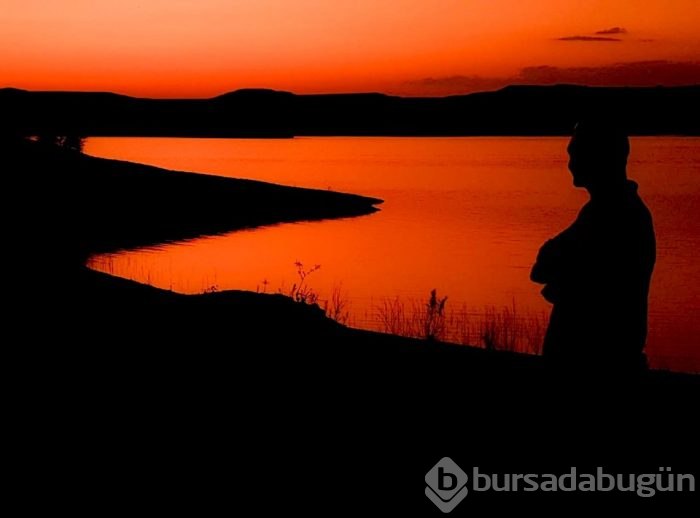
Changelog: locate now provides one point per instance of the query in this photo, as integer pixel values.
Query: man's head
(598, 154)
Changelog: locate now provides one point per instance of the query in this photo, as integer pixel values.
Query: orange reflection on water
(463, 215)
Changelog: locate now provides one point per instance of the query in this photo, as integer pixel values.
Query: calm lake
(465, 216)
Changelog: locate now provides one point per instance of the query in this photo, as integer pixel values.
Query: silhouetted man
(597, 271)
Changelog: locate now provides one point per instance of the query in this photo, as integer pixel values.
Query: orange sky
(201, 48)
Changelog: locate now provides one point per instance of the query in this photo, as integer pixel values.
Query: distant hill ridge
(513, 110)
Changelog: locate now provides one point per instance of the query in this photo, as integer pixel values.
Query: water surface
(465, 216)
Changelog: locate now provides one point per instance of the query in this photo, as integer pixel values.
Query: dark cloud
(639, 73)
(613, 30)
(588, 38)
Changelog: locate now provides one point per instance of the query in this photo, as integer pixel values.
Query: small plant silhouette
(434, 324)
(302, 292)
(505, 329)
(336, 308)
(425, 320)
(265, 283)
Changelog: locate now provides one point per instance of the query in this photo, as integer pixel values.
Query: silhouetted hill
(514, 110)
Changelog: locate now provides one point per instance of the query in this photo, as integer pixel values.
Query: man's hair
(604, 140)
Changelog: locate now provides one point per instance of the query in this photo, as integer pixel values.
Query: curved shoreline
(93, 205)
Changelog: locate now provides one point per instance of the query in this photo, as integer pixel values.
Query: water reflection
(462, 215)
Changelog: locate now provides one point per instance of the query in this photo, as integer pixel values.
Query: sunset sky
(202, 48)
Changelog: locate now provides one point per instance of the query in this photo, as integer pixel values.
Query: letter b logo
(442, 486)
(446, 484)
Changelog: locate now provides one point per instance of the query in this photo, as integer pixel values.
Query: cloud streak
(613, 30)
(637, 73)
(588, 38)
(454, 84)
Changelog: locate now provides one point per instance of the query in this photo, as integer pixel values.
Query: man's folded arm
(548, 263)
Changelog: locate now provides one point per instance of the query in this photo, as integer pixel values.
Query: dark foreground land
(259, 373)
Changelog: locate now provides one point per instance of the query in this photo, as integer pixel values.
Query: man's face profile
(597, 155)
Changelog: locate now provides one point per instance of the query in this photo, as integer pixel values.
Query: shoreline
(119, 311)
(99, 205)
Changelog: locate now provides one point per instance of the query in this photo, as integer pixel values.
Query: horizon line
(369, 92)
